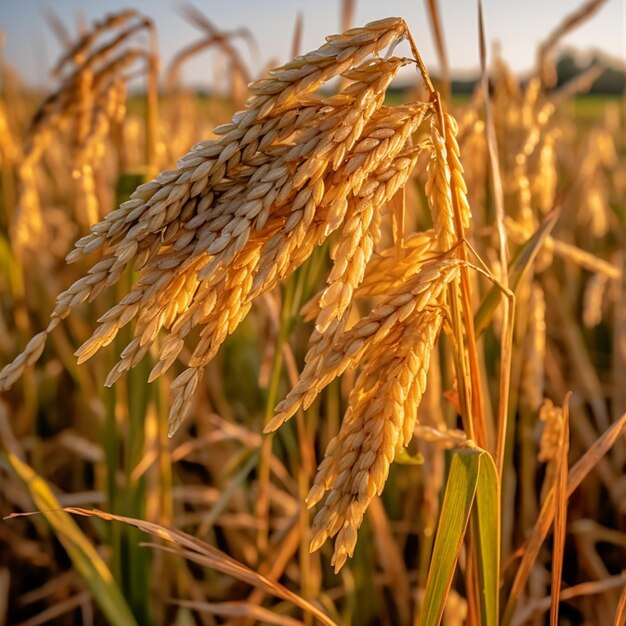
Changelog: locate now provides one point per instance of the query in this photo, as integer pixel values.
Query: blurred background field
(69, 158)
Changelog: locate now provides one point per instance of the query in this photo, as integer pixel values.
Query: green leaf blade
(455, 513)
(486, 517)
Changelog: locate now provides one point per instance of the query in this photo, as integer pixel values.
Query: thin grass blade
(241, 609)
(546, 516)
(84, 556)
(211, 557)
(518, 268)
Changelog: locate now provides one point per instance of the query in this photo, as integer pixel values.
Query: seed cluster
(242, 211)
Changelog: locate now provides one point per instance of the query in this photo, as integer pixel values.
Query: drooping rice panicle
(379, 421)
(333, 355)
(281, 170)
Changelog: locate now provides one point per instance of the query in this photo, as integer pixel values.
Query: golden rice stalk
(238, 71)
(215, 222)
(359, 235)
(392, 347)
(533, 122)
(444, 167)
(545, 179)
(474, 143)
(80, 108)
(243, 211)
(523, 194)
(235, 295)
(438, 189)
(550, 448)
(262, 187)
(545, 68)
(596, 211)
(456, 170)
(324, 129)
(278, 258)
(593, 299)
(385, 271)
(532, 382)
(549, 444)
(332, 355)
(377, 150)
(379, 422)
(28, 222)
(79, 51)
(82, 92)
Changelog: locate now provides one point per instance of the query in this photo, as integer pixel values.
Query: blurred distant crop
(354, 352)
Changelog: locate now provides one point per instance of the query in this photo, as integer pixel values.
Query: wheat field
(314, 350)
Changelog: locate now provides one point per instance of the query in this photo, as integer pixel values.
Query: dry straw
(241, 212)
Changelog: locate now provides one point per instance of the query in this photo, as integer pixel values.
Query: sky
(518, 25)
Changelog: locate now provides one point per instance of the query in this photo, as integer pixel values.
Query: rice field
(314, 351)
